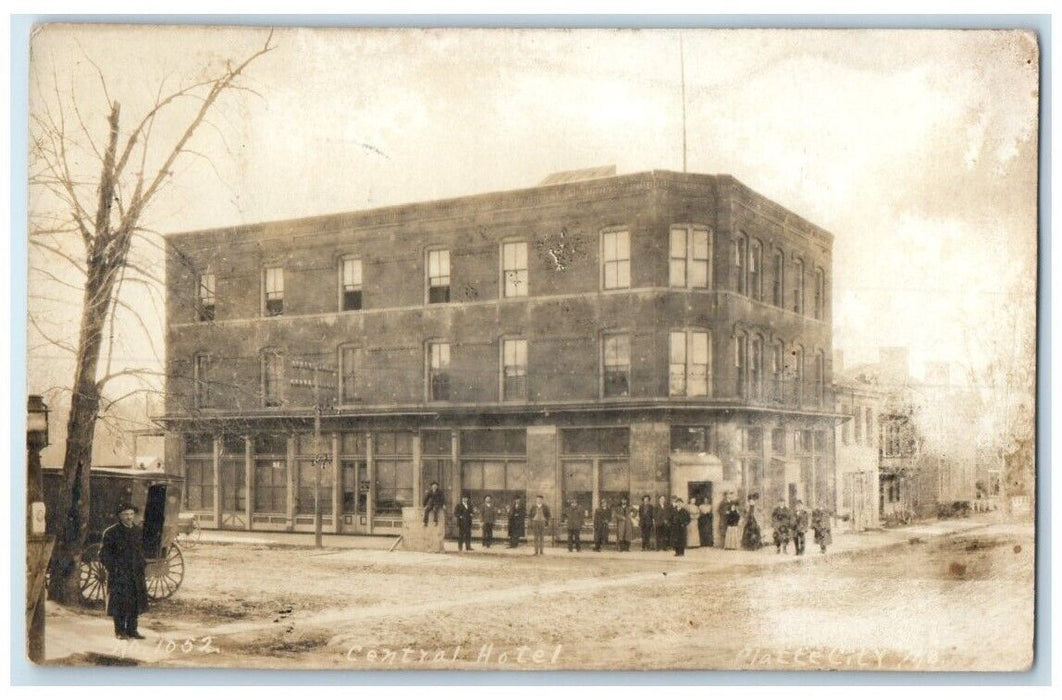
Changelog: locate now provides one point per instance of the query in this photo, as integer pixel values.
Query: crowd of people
(664, 525)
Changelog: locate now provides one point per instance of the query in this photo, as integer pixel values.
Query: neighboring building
(655, 333)
(927, 441)
(858, 480)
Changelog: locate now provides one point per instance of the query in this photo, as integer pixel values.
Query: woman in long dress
(704, 522)
(751, 538)
(731, 520)
(693, 535)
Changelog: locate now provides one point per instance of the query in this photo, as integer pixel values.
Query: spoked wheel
(93, 576)
(164, 575)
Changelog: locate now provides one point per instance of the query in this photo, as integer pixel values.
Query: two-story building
(655, 333)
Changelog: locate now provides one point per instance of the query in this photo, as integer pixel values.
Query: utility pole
(320, 458)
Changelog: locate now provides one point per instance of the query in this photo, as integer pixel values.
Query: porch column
(370, 460)
(290, 477)
(216, 507)
(418, 469)
(337, 485)
(248, 478)
(455, 475)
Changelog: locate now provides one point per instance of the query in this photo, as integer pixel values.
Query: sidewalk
(843, 543)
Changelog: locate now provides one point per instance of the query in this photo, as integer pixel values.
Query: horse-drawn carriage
(158, 497)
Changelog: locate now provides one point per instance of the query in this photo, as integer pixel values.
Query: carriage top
(155, 493)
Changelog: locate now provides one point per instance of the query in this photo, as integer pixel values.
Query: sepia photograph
(531, 349)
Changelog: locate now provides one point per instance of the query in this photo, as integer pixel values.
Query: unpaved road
(918, 606)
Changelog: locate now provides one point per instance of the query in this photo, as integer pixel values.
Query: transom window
(207, 290)
(616, 259)
(350, 284)
(690, 256)
(274, 291)
(439, 371)
(690, 359)
(617, 364)
(514, 369)
(438, 276)
(514, 269)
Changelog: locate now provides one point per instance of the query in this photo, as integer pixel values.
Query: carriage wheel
(93, 576)
(164, 575)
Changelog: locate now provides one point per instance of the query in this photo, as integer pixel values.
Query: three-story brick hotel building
(657, 333)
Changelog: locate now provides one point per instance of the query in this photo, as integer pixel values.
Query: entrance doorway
(698, 490)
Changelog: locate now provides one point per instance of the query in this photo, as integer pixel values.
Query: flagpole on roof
(682, 75)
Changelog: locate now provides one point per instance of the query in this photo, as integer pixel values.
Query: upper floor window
(201, 379)
(206, 299)
(438, 371)
(438, 276)
(756, 270)
(616, 259)
(777, 370)
(274, 291)
(740, 255)
(798, 356)
(350, 284)
(893, 446)
(820, 377)
(514, 269)
(348, 365)
(857, 424)
(820, 293)
(778, 290)
(690, 362)
(690, 257)
(741, 363)
(756, 366)
(272, 371)
(870, 431)
(514, 369)
(798, 287)
(617, 364)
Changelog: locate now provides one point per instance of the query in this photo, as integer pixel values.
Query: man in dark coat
(782, 524)
(645, 522)
(122, 555)
(624, 526)
(680, 519)
(463, 514)
(662, 524)
(820, 523)
(433, 503)
(517, 516)
(573, 516)
(602, 517)
(540, 519)
(801, 521)
(488, 515)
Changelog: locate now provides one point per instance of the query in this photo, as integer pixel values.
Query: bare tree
(105, 214)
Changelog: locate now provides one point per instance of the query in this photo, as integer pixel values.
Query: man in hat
(782, 524)
(122, 555)
(539, 517)
(801, 520)
(602, 517)
(463, 515)
(434, 502)
(645, 522)
(574, 514)
(488, 515)
(662, 524)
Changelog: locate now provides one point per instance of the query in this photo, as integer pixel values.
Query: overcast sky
(916, 149)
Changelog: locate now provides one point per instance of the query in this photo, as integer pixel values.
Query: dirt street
(954, 603)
